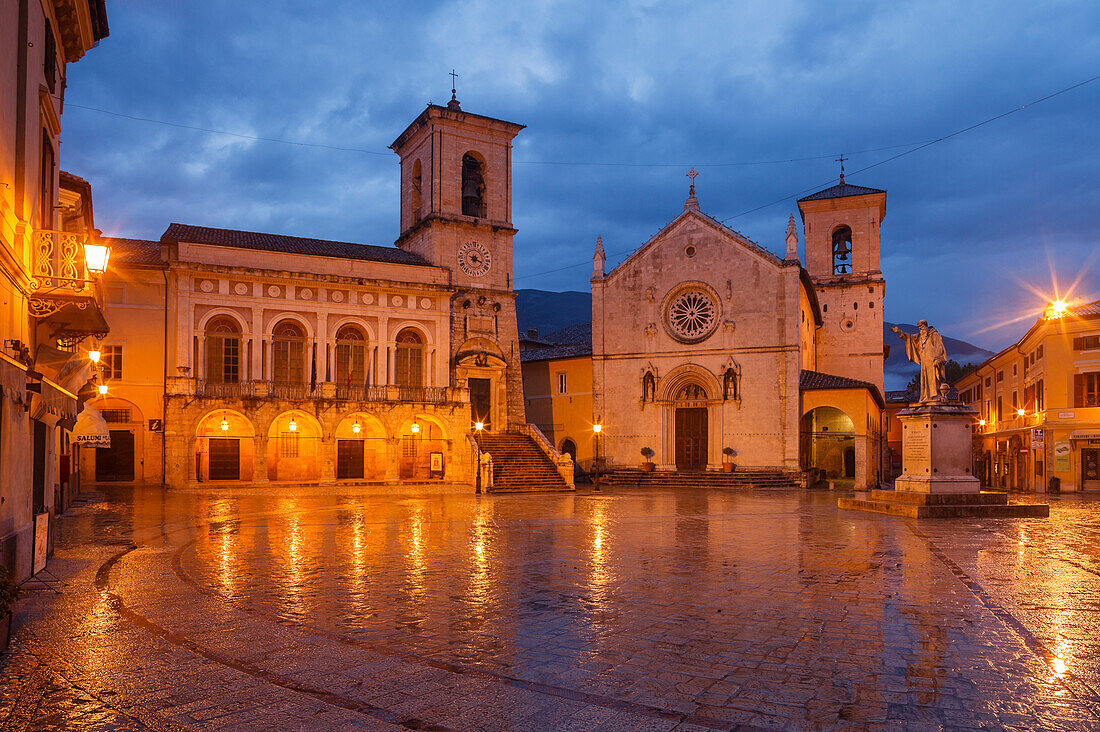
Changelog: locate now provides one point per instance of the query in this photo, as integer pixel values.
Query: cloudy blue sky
(620, 98)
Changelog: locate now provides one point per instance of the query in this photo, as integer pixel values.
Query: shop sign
(1037, 438)
(1065, 415)
(1062, 457)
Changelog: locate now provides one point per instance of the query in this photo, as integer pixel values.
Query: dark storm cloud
(689, 83)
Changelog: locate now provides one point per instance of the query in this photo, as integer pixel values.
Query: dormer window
(842, 251)
(473, 186)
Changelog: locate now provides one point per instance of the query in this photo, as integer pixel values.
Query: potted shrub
(727, 462)
(8, 593)
(648, 454)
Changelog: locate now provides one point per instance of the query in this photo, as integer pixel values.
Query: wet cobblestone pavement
(662, 610)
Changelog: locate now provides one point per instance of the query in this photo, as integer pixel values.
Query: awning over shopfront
(13, 381)
(1086, 434)
(91, 429)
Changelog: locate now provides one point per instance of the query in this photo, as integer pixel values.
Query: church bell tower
(842, 258)
(456, 213)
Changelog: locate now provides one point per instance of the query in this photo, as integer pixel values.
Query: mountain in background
(551, 311)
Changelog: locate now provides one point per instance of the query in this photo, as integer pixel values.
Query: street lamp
(415, 428)
(292, 425)
(1019, 412)
(102, 389)
(596, 430)
(356, 427)
(93, 355)
(225, 424)
(478, 427)
(96, 257)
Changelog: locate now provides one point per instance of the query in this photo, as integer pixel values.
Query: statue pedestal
(936, 444)
(936, 481)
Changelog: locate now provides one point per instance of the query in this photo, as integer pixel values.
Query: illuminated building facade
(50, 297)
(1038, 403)
(295, 360)
(703, 340)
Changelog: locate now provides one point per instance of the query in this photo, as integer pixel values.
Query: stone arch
(225, 446)
(685, 374)
(841, 248)
(424, 331)
(474, 184)
(415, 450)
(362, 454)
(124, 460)
(827, 441)
(294, 447)
(242, 323)
(285, 315)
(337, 324)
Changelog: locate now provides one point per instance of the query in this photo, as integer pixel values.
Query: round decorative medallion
(474, 259)
(336, 296)
(206, 286)
(692, 315)
(240, 288)
(368, 299)
(305, 294)
(273, 290)
(847, 325)
(396, 300)
(426, 304)
(690, 250)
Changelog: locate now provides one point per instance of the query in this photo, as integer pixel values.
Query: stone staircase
(760, 478)
(520, 464)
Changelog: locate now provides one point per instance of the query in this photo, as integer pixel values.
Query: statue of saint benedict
(925, 347)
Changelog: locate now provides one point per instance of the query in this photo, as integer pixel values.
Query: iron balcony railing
(295, 391)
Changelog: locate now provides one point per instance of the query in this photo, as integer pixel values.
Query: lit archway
(360, 448)
(225, 442)
(294, 448)
(423, 450)
(827, 441)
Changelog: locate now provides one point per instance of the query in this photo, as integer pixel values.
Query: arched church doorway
(828, 442)
(691, 428)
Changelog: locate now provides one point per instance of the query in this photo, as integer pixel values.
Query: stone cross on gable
(693, 174)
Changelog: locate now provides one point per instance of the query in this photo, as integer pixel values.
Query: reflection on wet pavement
(698, 609)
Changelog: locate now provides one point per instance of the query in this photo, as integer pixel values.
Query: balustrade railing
(343, 392)
(58, 261)
(225, 390)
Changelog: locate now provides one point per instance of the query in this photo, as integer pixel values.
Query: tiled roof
(572, 342)
(1087, 310)
(815, 380)
(133, 251)
(841, 190)
(289, 244)
(904, 396)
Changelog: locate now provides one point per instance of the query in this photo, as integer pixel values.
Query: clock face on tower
(474, 259)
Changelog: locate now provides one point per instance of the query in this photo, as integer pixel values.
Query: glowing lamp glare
(597, 428)
(415, 429)
(102, 388)
(225, 425)
(1019, 412)
(356, 427)
(292, 425)
(96, 257)
(479, 426)
(93, 356)
(981, 423)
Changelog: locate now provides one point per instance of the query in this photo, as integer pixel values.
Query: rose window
(692, 315)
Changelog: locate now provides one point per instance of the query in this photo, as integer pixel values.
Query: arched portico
(827, 441)
(294, 448)
(361, 448)
(224, 447)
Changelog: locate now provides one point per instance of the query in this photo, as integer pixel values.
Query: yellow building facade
(1038, 404)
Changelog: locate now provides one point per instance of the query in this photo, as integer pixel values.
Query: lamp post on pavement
(478, 427)
(596, 430)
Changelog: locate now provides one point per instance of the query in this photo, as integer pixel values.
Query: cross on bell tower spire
(453, 104)
(841, 160)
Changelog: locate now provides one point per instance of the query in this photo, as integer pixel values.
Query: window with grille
(115, 415)
(409, 445)
(110, 363)
(288, 444)
(563, 383)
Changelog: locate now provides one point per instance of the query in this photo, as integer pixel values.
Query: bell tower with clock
(456, 213)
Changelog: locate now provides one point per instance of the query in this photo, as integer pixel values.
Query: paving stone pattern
(684, 609)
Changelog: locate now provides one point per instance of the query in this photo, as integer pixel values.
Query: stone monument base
(914, 504)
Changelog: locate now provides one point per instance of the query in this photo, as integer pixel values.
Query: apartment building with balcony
(50, 298)
(1038, 404)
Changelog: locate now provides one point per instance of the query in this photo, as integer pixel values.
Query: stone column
(200, 366)
(393, 455)
(259, 461)
(328, 460)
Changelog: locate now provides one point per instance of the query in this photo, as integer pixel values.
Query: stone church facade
(703, 340)
(297, 360)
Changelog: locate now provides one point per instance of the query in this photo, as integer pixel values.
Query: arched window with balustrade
(351, 356)
(288, 346)
(223, 351)
(409, 359)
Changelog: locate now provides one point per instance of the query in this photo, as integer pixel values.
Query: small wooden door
(691, 438)
(116, 463)
(1090, 469)
(349, 459)
(224, 462)
(481, 401)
